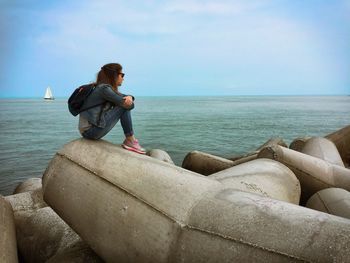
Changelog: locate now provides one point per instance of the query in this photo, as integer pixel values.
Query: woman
(97, 121)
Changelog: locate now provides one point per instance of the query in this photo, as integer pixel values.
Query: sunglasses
(123, 74)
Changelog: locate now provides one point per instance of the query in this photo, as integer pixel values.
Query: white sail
(48, 94)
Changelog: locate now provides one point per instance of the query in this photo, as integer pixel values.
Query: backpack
(77, 99)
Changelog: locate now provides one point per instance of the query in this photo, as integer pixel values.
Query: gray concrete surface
(264, 177)
(313, 173)
(8, 244)
(324, 149)
(30, 184)
(42, 236)
(298, 143)
(341, 139)
(207, 164)
(334, 201)
(160, 155)
(132, 208)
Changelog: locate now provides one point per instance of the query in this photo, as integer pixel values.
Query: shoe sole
(132, 149)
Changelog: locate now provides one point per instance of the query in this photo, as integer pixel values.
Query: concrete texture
(334, 201)
(263, 177)
(27, 202)
(132, 208)
(42, 236)
(324, 149)
(8, 245)
(30, 184)
(341, 139)
(313, 173)
(270, 142)
(298, 143)
(160, 155)
(207, 164)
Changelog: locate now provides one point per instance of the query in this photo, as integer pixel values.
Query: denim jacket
(104, 95)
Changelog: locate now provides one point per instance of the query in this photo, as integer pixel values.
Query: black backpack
(77, 99)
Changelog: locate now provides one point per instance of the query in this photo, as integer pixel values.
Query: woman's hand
(128, 101)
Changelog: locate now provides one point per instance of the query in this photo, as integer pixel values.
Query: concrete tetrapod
(324, 149)
(8, 244)
(313, 173)
(341, 139)
(41, 235)
(45, 237)
(133, 208)
(160, 155)
(206, 164)
(30, 184)
(298, 143)
(264, 177)
(334, 201)
(270, 142)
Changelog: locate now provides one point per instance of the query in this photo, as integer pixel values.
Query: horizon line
(236, 95)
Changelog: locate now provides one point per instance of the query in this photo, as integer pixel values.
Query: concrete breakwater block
(206, 164)
(334, 201)
(264, 177)
(44, 237)
(132, 208)
(30, 184)
(313, 173)
(41, 235)
(160, 155)
(341, 139)
(8, 244)
(324, 149)
(270, 142)
(298, 143)
(27, 202)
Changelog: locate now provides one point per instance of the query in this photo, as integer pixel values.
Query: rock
(143, 210)
(334, 201)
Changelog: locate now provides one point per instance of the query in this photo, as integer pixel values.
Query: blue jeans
(111, 117)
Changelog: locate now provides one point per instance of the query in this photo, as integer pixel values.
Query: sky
(177, 48)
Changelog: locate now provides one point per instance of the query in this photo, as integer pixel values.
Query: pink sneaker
(133, 146)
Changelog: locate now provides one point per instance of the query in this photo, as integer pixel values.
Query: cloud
(111, 25)
(208, 43)
(212, 8)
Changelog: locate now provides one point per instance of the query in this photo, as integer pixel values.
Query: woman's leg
(130, 142)
(111, 117)
(126, 122)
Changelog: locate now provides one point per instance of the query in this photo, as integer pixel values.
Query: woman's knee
(90, 135)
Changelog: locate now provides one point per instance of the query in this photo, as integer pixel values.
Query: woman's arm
(109, 94)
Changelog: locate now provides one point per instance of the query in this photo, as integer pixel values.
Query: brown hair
(109, 75)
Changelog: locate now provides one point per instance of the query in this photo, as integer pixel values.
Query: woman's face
(120, 78)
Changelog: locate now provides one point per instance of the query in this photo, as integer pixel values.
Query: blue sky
(181, 47)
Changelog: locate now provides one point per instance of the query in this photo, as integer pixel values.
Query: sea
(33, 130)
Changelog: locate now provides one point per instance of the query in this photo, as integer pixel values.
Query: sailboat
(48, 94)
